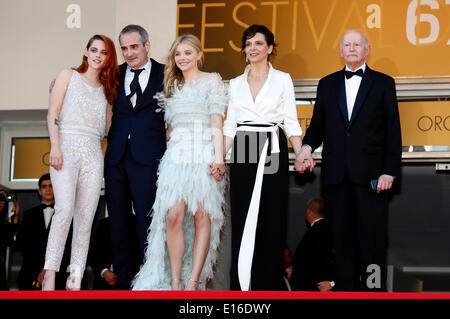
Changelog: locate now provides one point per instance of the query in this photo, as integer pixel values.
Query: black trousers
(129, 185)
(267, 265)
(358, 218)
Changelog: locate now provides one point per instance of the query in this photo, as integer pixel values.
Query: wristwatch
(332, 284)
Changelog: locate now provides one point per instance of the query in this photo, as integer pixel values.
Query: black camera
(7, 197)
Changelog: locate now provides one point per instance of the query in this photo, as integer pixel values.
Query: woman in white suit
(262, 104)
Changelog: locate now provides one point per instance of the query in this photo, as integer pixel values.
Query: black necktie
(134, 85)
(349, 74)
(44, 205)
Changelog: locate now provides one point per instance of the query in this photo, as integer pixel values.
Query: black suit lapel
(342, 97)
(364, 88)
(41, 220)
(153, 85)
(122, 73)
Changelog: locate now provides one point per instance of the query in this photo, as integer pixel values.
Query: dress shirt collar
(312, 224)
(147, 67)
(363, 67)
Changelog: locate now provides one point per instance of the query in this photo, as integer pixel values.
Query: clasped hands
(304, 160)
(217, 170)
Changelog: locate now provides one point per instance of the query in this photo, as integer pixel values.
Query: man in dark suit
(136, 143)
(312, 263)
(356, 117)
(32, 240)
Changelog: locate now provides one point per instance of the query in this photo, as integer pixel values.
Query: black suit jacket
(143, 123)
(368, 145)
(313, 259)
(32, 241)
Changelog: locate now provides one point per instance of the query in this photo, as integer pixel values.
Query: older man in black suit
(356, 118)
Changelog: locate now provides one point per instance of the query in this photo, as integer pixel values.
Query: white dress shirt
(48, 214)
(144, 76)
(351, 88)
(275, 102)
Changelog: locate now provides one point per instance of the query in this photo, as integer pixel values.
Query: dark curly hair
(258, 28)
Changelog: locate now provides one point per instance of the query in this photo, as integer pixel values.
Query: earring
(246, 58)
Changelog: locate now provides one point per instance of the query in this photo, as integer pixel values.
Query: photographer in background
(9, 217)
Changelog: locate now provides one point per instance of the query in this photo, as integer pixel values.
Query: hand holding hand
(304, 160)
(217, 170)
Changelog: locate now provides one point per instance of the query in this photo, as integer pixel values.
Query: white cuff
(103, 271)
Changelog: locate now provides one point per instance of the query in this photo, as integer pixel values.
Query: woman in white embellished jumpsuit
(78, 118)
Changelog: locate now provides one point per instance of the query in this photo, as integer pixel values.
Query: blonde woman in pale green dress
(188, 209)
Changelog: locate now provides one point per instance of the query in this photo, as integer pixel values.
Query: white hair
(363, 37)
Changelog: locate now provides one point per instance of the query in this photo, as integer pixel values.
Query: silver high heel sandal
(177, 284)
(196, 284)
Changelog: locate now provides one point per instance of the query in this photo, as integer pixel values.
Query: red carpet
(91, 294)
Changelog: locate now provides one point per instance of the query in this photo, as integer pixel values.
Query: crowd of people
(165, 173)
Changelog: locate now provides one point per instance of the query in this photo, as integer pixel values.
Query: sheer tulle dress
(183, 175)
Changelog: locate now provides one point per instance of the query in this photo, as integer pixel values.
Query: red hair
(109, 74)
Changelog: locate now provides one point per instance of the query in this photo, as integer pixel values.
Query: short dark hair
(317, 206)
(259, 28)
(135, 28)
(44, 177)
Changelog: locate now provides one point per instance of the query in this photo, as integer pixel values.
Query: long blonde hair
(171, 72)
